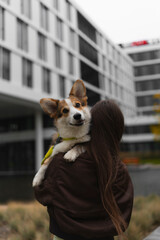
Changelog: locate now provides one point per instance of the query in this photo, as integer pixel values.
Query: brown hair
(106, 132)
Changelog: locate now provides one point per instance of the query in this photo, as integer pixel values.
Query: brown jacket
(71, 193)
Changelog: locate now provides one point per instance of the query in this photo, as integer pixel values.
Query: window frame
(27, 72)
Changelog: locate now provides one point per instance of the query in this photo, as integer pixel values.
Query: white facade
(146, 63)
(41, 57)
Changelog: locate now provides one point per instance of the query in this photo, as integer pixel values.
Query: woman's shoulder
(83, 161)
(82, 158)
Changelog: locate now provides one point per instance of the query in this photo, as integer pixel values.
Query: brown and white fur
(72, 120)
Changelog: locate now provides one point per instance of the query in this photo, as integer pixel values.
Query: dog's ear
(49, 106)
(79, 90)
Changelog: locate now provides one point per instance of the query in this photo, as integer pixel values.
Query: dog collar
(59, 140)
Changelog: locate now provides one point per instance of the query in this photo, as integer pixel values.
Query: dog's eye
(77, 105)
(65, 110)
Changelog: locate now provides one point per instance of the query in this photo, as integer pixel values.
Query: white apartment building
(146, 62)
(45, 45)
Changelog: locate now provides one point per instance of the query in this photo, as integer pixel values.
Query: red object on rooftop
(139, 43)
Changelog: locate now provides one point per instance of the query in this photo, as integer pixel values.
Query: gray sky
(124, 20)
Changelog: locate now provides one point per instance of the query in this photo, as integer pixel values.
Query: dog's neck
(60, 139)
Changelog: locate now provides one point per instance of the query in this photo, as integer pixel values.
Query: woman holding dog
(92, 198)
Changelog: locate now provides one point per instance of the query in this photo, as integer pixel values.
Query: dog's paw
(37, 180)
(71, 155)
(39, 176)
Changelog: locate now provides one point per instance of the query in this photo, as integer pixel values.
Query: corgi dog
(72, 120)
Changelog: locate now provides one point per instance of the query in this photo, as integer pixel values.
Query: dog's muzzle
(78, 118)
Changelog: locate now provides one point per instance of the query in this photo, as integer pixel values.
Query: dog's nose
(77, 116)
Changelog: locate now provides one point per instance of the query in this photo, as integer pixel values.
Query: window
(59, 29)
(104, 63)
(110, 50)
(147, 70)
(71, 63)
(44, 17)
(58, 56)
(143, 56)
(139, 129)
(62, 86)
(88, 51)
(19, 157)
(110, 86)
(89, 74)
(86, 27)
(4, 64)
(2, 23)
(116, 89)
(22, 35)
(100, 39)
(119, 58)
(110, 68)
(140, 147)
(47, 122)
(121, 92)
(102, 81)
(116, 72)
(143, 101)
(46, 80)
(26, 8)
(72, 39)
(107, 47)
(147, 85)
(27, 72)
(55, 4)
(17, 124)
(68, 5)
(42, 46)
(93, 97)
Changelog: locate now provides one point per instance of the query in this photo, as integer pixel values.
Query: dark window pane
(46, 80)
(148, 85)
(71, 63)
(2, 30)
(17, 124)
(47, 121)
(88, 51)
(17, 157)
(44, 17)
(89, 74)
(42, 53)
(6, 64)
(68, 7)
(59, 28)
(86, 27)
(27, 72)
(58, 56)
(62, 86)
(26, 8)
(93, 97)
(147, 70)
(142, 56)
(143, 101)
(56, 4)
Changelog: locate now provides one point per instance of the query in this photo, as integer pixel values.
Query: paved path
(155, 235)
(146, 179)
